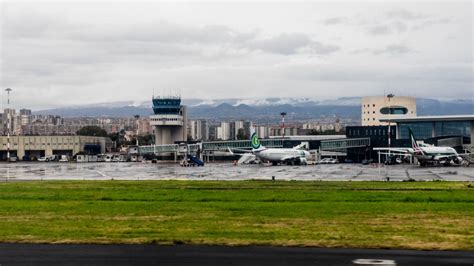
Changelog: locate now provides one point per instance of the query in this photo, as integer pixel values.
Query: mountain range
(261, 109)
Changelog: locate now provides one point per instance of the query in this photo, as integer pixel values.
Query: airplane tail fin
(255, 141)
(414, 145)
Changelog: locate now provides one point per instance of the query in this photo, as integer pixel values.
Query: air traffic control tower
(169, 120)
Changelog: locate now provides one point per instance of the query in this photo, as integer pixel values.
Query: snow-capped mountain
(297, 108)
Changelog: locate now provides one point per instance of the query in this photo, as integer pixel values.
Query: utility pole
(8, 90)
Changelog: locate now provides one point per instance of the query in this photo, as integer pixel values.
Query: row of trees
(118, 138)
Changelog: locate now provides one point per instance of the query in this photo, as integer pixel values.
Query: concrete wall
(371, 107)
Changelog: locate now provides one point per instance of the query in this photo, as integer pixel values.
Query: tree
(92, 131)
(148, 139)
(241, 134)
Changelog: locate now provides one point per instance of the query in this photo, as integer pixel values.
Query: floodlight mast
(8, 90)
(283, 114)
(389, 96)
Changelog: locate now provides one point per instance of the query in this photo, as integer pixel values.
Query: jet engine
(458, 160)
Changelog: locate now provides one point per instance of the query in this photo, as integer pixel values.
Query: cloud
(293, 43)
(380, 30)
(417, 21)
(388, 28)
(405, 14)
(461, 72)
(431, 22)
(394, 49)
(160, 37)
(87, 53)
(335, 20)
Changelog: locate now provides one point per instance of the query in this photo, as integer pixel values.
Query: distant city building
(8, 119)
(26, 112)
(237, 126)
(213, 132)
(223, 131)
(198, 129)
(377, 108)
(248, 125)
(262, 132)
(25, 123)
(144, 127)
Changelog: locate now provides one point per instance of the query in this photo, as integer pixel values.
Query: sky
(60, 54)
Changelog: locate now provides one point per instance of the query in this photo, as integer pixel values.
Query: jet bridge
(326, 145)
(169, 149)
(338, 146)
(239, 144)
(343, 144)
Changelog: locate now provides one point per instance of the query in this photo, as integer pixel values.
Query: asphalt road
(34, 254)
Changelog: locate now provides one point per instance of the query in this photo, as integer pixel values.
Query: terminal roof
(440, 118)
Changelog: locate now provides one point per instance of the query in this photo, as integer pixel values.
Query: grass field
(413, 215)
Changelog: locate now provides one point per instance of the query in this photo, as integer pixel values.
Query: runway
(43, 254)
(227, 171)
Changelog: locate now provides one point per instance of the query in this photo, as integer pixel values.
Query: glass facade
(424, 130)
(455, 128)
(162, 106)
(394, 110)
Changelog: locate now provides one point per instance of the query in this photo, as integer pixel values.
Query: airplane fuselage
(281, 155)
(426, 154)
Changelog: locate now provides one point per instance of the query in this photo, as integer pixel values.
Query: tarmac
(44, 254)
(22, 171)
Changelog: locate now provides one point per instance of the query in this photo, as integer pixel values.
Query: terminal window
(421, 130)
(453, 128)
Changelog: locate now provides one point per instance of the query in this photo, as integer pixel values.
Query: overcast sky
(67, 54)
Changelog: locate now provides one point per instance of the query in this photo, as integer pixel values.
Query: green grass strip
(408, 215)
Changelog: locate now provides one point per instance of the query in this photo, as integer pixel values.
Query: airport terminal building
(378, 110)
(425, 127)
(455, 131)
(26, 147)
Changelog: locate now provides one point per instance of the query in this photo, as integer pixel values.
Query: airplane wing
(301, 146)
(444, 157)
(246, 158)
(231, 150)
(289, 157)
(386, 149)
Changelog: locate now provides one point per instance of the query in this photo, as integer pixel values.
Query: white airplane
(428, 154)
(290, 156)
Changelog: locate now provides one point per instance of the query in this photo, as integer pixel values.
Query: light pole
(389, 96)
(8, 90)
(138, 126)
(283, 114)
